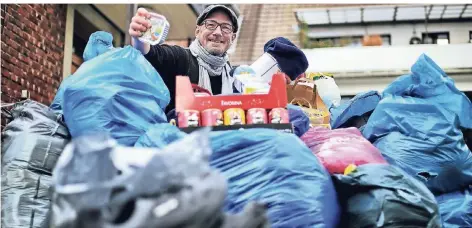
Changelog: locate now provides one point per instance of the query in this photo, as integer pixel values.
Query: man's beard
(214, 51)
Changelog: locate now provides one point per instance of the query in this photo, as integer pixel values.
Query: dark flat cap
(212, 8)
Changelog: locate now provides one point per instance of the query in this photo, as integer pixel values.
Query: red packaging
(256, 116)
(189, 118)
(212, 117)
(278, 115)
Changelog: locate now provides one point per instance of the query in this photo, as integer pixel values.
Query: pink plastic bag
(339, 148)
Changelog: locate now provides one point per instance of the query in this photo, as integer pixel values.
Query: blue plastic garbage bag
(300, 121)
(354, 112)
(456, 208)
(98, 43)
(118, 93)
(277, 169)
(380, 195)
(160, 135)
(417, 124)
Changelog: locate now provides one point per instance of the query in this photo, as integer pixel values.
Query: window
(83, 28)
(345, 41)
(436, 38)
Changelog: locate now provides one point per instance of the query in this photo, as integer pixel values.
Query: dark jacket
(170, 61)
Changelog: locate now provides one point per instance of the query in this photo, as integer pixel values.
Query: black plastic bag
(378, 195)
(33, 117)
(100, 184)
(25, 196)
(35, 135)
(31, 145)
(39, 152)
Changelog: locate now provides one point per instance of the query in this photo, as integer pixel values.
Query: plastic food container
(158, 32)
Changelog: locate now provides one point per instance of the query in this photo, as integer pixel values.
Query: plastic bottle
(328, 91)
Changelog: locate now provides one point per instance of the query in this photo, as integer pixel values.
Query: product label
(228, 103)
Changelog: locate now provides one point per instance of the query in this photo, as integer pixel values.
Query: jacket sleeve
(168, 60)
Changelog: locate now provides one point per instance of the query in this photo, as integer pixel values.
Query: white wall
(353, 86)
(400, 33)
(358, 69)
(387, 58)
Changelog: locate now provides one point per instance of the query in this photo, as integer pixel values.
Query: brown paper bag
(317, 115)
(304, 94)
(303, 88)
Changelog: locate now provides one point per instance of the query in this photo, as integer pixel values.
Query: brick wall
(247, 34)
(264, 22)
(32, 46)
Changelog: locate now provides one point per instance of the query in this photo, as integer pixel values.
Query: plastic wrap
(300, 121)
(339, 148)
(355, 112)
(25, 196)
(279, 170)
(159, 136)
(378, 195)
(39, 152)
(33, 117)
(417, 125)
(456, 208)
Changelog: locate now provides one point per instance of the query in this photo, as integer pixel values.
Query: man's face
(216, 41)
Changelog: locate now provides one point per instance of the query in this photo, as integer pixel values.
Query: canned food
(212, 117)
(189, 118)
(256, 116)
(278, 115)
(234, 116)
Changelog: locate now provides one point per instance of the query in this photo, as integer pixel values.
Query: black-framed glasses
(212, 25)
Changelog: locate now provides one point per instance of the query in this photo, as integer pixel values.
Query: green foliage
(307, 43)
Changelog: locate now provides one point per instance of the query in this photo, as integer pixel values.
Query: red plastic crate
(185, 98)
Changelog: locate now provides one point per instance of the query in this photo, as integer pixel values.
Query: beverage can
(256, 116)
(189, 118)
(234, 116)
(278, 115)
(212, 117)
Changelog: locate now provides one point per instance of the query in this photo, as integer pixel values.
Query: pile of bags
(417, 127)
(127, 167)
(396, 160)
(140, 187)
(420, 125)
(371, 192)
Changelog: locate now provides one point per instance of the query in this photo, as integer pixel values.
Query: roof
(384, 13)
